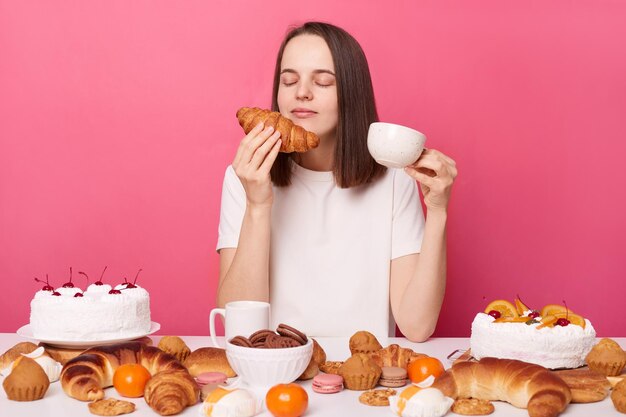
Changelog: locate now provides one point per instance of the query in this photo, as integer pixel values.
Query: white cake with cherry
(98, 313)
(554, 337)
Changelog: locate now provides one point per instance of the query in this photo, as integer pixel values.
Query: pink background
(117, 120)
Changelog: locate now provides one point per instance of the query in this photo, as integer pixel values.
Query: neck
(321, 158)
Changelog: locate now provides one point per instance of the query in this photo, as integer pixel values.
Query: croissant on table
(169, 392)
(85, 376)
(294, 138)
(521, 384)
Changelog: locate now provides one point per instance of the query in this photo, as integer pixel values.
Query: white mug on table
(241, 318)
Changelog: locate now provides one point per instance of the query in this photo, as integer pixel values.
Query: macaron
(393, 377)
(207, 378)
(327, 383)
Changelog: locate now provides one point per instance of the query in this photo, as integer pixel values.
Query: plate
(27, 332)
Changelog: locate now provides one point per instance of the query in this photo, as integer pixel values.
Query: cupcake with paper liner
(420, 402)
(222, 402)
(364, 342)
(360, 372)
(606, 357)
(27, 381)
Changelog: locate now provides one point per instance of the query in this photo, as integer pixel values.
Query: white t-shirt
(331, 248)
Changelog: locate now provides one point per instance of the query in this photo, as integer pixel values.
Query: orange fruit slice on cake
(572, 317)
(547, 321)
(511, 320)
(505, 308)
(552, 309)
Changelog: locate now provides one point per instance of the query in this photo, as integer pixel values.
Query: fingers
(422, 178)
(434, 162)
(262, 151)
(244, 143)
(265, 167)
(255, 142)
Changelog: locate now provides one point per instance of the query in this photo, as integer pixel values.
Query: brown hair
(353, 165)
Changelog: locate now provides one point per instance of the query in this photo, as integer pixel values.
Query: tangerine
(130, 380)
(422, 368)
(287, 400)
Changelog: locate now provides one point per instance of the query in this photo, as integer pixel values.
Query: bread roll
(208, 359)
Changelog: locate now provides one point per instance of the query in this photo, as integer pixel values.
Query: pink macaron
(207, 378)
(327, 383)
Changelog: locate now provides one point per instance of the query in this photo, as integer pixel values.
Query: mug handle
(214, 313)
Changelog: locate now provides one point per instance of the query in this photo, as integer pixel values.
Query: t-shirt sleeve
(232, 210)
(408, 217)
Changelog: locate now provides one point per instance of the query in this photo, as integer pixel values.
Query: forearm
(247, 277)
(421, 301)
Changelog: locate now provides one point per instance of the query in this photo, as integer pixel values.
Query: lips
(303, 113)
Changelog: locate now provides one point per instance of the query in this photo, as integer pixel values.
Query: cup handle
(214, 313)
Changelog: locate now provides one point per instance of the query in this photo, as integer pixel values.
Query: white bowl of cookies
(267, 358)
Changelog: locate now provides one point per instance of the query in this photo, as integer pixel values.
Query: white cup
(241, 318)
(394, 146)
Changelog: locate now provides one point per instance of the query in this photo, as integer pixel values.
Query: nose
(304, 92)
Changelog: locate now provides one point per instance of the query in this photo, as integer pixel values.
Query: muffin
(175, 346)
(607, 357)
(27, 381)
(318, 357)
(364, 342)
(360, 372)
(618, 396)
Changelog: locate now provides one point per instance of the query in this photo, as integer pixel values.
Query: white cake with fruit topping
(553, 338)
(99, 313)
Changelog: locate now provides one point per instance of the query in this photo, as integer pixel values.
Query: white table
(57, 404)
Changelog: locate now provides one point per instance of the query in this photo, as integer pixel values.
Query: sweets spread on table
(468, 387)
(554, 337)
(98, 313)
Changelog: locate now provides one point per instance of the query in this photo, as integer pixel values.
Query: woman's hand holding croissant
(254, 159)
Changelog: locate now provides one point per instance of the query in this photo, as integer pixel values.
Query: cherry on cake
(554, 337)
(98, 313)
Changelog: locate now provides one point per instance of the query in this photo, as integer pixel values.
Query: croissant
(394, 355)
(522, 384)
(294, 138)
(169, 392)
(85, 376)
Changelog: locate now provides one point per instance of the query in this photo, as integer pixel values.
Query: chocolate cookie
(240, 341)
(289, 331)
(259, 337)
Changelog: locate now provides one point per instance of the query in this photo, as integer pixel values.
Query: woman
(329, 237)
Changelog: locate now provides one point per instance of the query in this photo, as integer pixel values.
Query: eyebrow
(317, 71)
